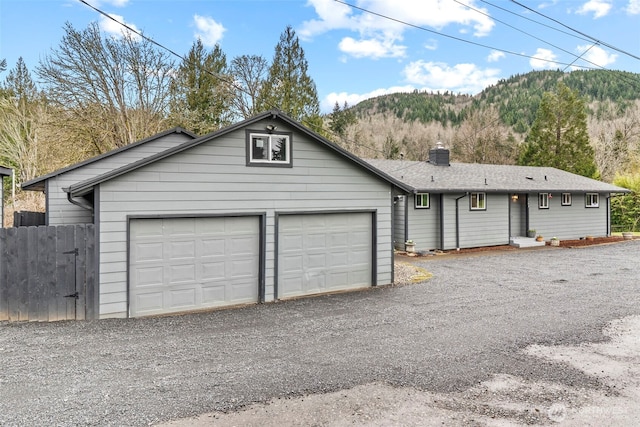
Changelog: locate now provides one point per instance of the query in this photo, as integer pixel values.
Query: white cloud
(599, 8)
(438, 76)
(542, 59)
(431, 44)
(495, 55)
(633, 8)
(116, 29)
(101, 3)
(208, 30)
(596, 55)
(386, 32)
(371, 48)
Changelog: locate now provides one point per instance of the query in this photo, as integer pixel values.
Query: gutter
(79, 202)
(458, 221)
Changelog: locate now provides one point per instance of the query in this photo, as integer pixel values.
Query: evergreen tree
(288, 86)
(200, 92)
(341, 119)
(558, 136)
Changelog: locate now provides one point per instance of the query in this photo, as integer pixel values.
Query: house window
(566, 199)
(478, 201)
(422, 200)
(269, 149)
(543, 200)
(593, 200)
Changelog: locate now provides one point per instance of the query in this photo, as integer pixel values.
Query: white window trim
(484, 200)
(543, 200)
(269, 141)
(589, 199)
(419, 196)
(566, 199)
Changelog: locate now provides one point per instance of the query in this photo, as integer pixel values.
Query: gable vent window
(543, 200)
(264, 149)
(422, 201)
(593, 200)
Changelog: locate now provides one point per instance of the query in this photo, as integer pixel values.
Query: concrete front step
(525, 242)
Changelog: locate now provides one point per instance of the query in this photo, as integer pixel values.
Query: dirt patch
(505, 400)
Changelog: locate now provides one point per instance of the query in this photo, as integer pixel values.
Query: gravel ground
(470, 322)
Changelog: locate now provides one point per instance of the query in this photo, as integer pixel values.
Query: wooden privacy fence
(48, 273)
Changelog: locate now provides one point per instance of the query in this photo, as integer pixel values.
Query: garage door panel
(194, 263)
(291, 264)
(242, 291)
(212, 247)
(180, 298)
(149, 276)
(213, 293)
(181, 249)
(291, 243)
(150, 228)
(148, 251)
(323, 252)
(180, 227)
(181, 273)
(241, 245)
(212, 271)
(316, 261)
(150, 301)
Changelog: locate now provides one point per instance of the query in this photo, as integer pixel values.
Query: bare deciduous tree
(616, 139)
(249, 73)
(113, 91)
(481, 138)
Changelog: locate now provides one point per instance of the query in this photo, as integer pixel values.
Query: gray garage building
(262, 210)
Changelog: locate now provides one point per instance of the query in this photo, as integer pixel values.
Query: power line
(526, 33)
(577, 31)
(219, 76)
(408, 24)
(536, 22)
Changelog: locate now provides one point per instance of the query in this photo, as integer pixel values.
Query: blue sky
(455, 45)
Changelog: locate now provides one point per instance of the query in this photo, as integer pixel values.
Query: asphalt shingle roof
(457, 177)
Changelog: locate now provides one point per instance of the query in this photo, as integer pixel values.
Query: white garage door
(182, 264)
(323, 253)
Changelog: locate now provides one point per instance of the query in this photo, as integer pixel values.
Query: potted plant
(554, 241)
(531, 232)
(627, 235)
(539, 238)
(410, 246)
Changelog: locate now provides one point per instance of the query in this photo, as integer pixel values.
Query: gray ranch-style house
(459, 205)
(262, 210)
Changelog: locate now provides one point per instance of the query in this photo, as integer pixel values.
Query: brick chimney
(439, 156)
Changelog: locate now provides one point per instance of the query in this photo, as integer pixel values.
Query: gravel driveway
(467, 323)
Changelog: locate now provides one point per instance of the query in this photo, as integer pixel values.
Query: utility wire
(408, 24)
(577, 31)
(219, 76)
(536, 22)
(524, 32)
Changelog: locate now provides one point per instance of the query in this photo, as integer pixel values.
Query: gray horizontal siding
(61, 212)
(476, 228)
(568, 222)
(424, 224)
(399, 223)
(212, 178)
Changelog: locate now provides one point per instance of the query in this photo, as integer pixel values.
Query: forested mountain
(500, 116)
(517, 98)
